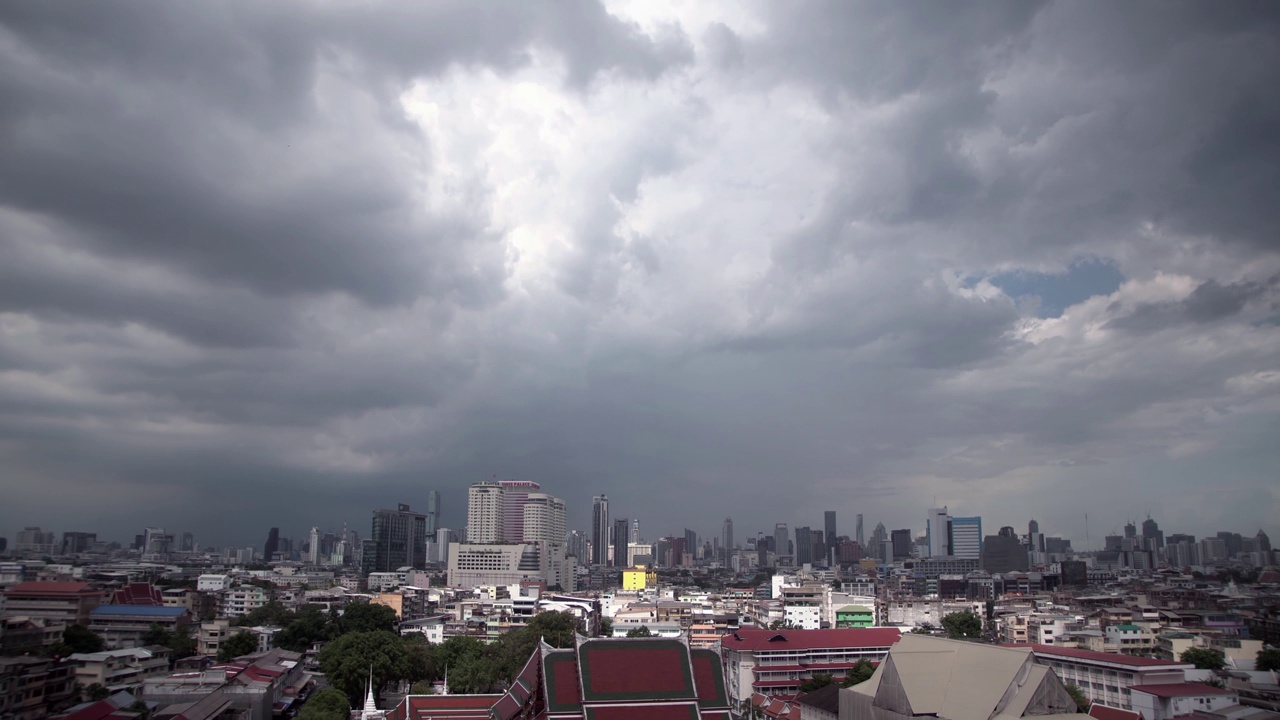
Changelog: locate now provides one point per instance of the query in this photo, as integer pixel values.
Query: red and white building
(1171, 700)
(1110, 678)
(775, 662)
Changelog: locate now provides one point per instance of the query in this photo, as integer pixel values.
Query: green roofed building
(855, 616)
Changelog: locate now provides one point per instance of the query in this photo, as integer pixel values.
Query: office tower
(1130, 530)
(726, 539)
(77, 542)
(620, 527)
(576, 545)
(154, 540)
(398, 539)
(188, 542)
(937, 532)
(444, 538)
(433, 512)
(514, 495)
(1263, 541)
(879, 546)
(272, 546)
(781, 543)
(966, 537)
(829, 536)
(1004, 553)
(635, 532)
(901, 544)
(818, 548)
(1033, 527)
(804, 545)
(600, 530)
(858, 533)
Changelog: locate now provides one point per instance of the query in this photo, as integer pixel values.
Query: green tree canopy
(1268, 659)
(859, 673)
(309, 626)
(80, 639)
(962, 625)
(272, 614)
(366, 617)
(97, 691)
(606, 627)
(1082, 702)
(1203, 658)
(817, 681)
(346, 661)
(242, 643)
(557, 628)
(328, 704)
(640, 632)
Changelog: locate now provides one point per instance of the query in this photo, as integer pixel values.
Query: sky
(279, 264)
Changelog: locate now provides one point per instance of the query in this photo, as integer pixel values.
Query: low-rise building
(1108, 677)
(1130, 639)
(120, 669)
(213, 583)
(126, 626)
(212, 635)
(855, 616)
(68, 602)
(242, 600)
(1170, 700)
(34, 687)
(775, 662)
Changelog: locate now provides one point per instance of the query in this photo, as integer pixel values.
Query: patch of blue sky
(1056, 292)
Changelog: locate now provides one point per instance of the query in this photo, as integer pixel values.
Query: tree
(328, 704)
(642, 631)
(242, 643)
(80, 639)
(307, 628)
(606, 627)
(859, 673)
(558, 629)
(366, 617)
(97, 691)
(820, 680)
(963, 625)
(273, 614)
(1203, 658)
(924, 629)
(1082, 702)
(156, 635)
(1268, 659)
(346, 661)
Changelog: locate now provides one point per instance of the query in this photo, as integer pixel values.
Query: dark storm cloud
(327, 256)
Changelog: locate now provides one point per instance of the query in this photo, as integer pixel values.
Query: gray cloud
(280, 264)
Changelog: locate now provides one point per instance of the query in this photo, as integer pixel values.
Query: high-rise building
(879, 546)
(433, 512)
(188, 543)
(600, 530)
(485, 512)
(313, 546)
(514, 495)
(691, 542)
(620, 527)
(937, 532)
(1151, 533)
(77, 542)
(576, 545)
(1263, 541)
(268, 550)
(544, 519)
(857, 535)
(781, 543)
(829, 536)
(726, 539)
(1004, 553)
(398, 539)
(966, 537)
(901, 544)
(804, 545)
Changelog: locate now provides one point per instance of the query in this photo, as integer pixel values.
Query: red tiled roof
(1182, 689)
(635, 669)
(560, 673)
(49, 588)
(1106, 712)
(708, 675)
(759, 639)
(138, 593)
(1096, 656)
(449, 707)
(647, 711)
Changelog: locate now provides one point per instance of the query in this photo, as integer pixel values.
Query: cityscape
(640, 360)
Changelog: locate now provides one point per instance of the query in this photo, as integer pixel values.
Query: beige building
(120, 669)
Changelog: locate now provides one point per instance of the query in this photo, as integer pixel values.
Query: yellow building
(395, 601)
(638, 578)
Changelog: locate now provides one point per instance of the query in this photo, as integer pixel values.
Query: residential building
(1171, 700)
(925, 676)
(212, 635)
(260, 689)
(775, 662)
(32, 688)
(242, 600)
(120, 669)
(1130, 639)
(67, 602)
(20, 635)
(485, 512)
(855, 616)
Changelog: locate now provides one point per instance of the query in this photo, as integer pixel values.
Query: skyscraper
(901, 544)
(544, 519)
(272, 546)
(313, 546)
(858, 533)
(398, 539)
(620, 527)
(804, 545)
(600, 530)
(966, 537)
(829, 525)
(433, 512)
(485, 512)
(781, 543)
(726, 539)
(937, 532)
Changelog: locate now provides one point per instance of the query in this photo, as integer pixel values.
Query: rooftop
(138, 610)
(1182, 689)
(758, 639)
(50, 588)
(1095, 656)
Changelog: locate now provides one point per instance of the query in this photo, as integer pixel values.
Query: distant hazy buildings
(398, 539)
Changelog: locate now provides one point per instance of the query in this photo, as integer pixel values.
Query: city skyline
(1012, 259)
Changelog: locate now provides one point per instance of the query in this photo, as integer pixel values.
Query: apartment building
(775, 662)
(125, 626)
(119, 669)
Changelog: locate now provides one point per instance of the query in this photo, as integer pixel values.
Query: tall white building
(544, 519)
(485, 512)
(313, 546)
(937, 532)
